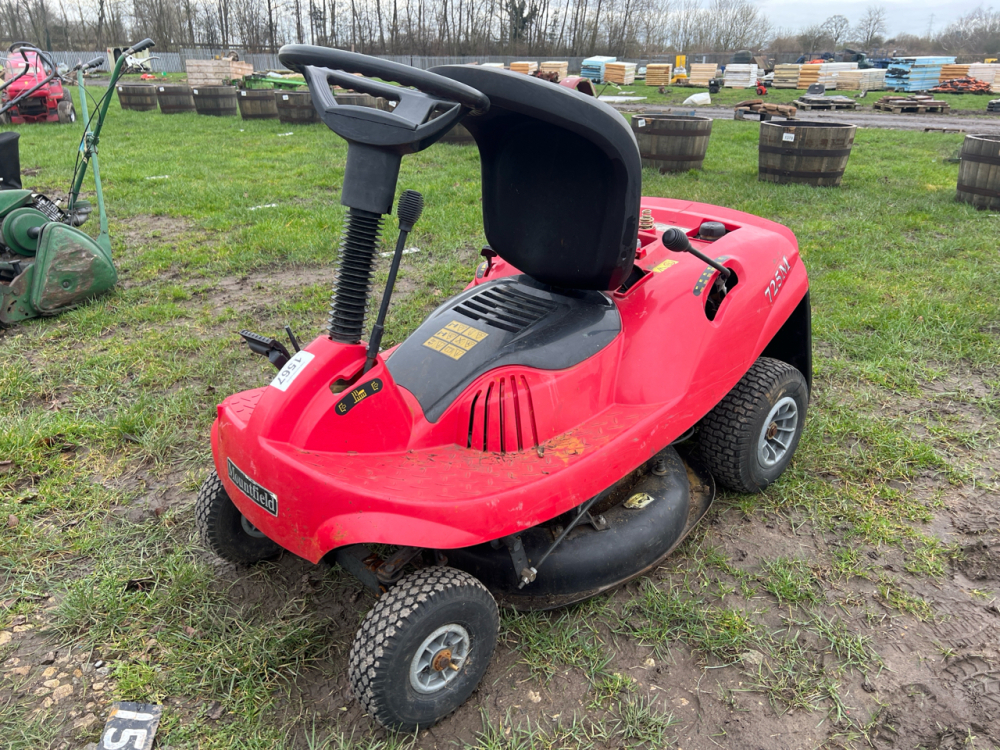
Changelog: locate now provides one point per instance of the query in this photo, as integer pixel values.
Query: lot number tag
(291, 370)
(788, 137)
(131, 726)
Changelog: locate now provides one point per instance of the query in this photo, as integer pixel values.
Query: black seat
(561, 179)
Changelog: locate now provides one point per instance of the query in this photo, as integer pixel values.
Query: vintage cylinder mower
(548, 434)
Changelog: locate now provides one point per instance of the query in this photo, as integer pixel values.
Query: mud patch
(981, 562)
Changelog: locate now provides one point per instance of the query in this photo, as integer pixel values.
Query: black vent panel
(506, 308)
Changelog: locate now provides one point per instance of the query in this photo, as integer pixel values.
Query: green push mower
(47, 264)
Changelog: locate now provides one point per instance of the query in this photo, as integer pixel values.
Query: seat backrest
(561, 178)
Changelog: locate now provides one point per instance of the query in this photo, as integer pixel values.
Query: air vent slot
(502, 417)
(506, 308)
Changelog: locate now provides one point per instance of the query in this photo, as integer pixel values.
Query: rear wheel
(423, 648)
(226, 531)
(749, 438)
(66, 111)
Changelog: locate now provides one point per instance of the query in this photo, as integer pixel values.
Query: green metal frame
(88, 148)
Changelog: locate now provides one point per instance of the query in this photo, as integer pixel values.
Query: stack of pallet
(786, 76)
(622, 73)
(215, 72)
(829, 72)
(559, 67)
(915, 73)
(740, 76)
(701, 73)
(810, 102)
(988, 72)
(950, 71)
(524, 67)
(872, 79)
(918, 104)
(593, 67)
(993, 106)
(808, 75)
(771, 108)
(659, 74)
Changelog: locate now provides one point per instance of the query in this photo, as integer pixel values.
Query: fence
(173, 62)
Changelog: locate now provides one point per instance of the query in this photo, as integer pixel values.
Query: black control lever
(677, 241)
(409, 208)
(273, 349)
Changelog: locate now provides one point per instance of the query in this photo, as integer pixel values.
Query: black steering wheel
(407, 128)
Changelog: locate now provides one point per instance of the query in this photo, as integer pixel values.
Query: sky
(911, 16)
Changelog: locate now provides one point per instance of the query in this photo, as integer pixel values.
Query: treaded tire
(220, 526)
(729, 435)
(66, 111)
(393, 632)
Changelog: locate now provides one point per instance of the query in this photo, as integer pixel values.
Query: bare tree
(871, 27)
(837, 27)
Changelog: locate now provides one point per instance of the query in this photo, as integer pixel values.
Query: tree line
(624, 28)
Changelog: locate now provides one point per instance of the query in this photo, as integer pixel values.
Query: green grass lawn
(108, 409)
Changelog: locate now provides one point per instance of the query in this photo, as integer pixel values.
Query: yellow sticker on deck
(455, 339)
(664, 266)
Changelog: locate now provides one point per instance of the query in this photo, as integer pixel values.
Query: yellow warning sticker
(455, 339)
(664, 266)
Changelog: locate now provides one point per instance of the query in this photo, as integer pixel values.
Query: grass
(109, 407)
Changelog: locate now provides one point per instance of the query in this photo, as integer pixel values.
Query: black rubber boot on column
(10, 162)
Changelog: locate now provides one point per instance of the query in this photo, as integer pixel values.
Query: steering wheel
(408, 128)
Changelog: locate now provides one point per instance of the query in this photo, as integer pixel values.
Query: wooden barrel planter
(140, 97)
(979, 172)
(672, 143)
(807, 153)
(217, 101)
(174, 98)
(295, 107)
(257, 104)
(459, 135)
(356, 100)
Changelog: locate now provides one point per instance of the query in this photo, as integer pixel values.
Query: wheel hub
(250, 529)
(440, 658)
(778, 433)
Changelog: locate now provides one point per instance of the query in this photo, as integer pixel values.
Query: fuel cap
(711, 230)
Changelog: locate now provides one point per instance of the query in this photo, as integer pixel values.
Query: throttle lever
(677, 241)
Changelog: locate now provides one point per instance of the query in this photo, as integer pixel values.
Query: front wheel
(226, 531)
(749, 438)
(423, 648)
(66, 111)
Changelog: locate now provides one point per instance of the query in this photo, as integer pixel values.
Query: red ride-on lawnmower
(550, 433)
(32, 90)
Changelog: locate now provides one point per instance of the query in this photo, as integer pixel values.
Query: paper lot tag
(131, 726)
(291, 370)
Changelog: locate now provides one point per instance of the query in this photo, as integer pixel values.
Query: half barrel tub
(459, 135)
(257, 104)
(140, 97)
(979, 172)
(295, 107)
(672, 143)
(217, 101)
(806, 153)
(174, 98)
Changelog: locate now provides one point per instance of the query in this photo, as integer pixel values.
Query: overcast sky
(912, 16)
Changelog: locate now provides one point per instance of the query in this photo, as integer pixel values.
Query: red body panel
(381, 473)
(42, 105)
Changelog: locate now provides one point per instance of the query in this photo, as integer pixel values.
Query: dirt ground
(939, 686)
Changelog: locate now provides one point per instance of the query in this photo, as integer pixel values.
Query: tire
(733, 438)
(225, 531)
(67, 113)
(418, 618)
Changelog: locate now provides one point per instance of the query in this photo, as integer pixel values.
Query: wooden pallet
(917, 108)
(819, 106)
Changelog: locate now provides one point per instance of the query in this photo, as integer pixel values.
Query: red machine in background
(32, 90)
